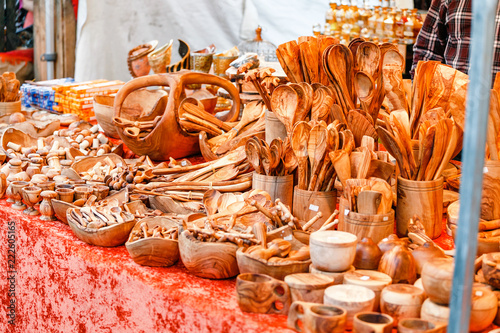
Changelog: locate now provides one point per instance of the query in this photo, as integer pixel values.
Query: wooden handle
(302, 172)
(260, 231)
(294, 315)
(204, 78)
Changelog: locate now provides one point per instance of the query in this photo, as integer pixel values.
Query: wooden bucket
(306, 204)
(490, 200)
(277, 186)
(9, 107)
(377, 226)
(274, 127)
(421, 198)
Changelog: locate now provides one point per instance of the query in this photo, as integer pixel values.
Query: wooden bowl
(87, 163)
(491, 268)
(154, 251)
(338, 277)
(60, 207)
(401, 301)
(436, 313)
(329, 244)
(109, 236)
(308, 287)
(353, 299)
(208, 260)
(415, 325)
(484, 309)
(437, 277)
(372, 280)
(276, 270)
(426, 252)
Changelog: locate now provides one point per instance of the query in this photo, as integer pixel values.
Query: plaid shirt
(445, 35)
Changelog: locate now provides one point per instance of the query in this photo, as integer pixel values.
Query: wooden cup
(316, 318)
(65, 194)
(261, 293)
(421, 198)
(414, 325)
(372, 322)
(82, 192)
(401, 301)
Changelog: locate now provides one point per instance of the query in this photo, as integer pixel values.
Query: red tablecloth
(65, 285)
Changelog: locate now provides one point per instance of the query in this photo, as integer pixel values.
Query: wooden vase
(399, 264)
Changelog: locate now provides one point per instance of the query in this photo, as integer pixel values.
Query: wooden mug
(372, 322)
(415, 325)
(260, 293)
(316, 318)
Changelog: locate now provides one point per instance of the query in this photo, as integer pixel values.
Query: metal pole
(478, 101)
(49, 36)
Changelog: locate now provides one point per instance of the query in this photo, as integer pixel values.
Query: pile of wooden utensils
(136, 129)
(93, 217)
(275, 159)
(251, 124)
(9, 87)
(155, 232)
(194, 119)
(230, 173)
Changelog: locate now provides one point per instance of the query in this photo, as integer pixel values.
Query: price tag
(479, 293)
(364, 278)
(385, 218)
(287, 238)
(485, 170)
(314, 208)
(346, 212)
(183, 163)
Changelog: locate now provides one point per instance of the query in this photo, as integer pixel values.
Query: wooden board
(64, 39)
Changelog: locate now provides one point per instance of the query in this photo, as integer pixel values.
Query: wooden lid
(403, 294)
(371, 279)
(346, 293)
(309, 281)
(338, 277)
(439, 268)
(333, 238)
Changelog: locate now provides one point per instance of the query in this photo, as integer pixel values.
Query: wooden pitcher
(168, 139)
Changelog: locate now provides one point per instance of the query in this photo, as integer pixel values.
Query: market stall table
(65, 285)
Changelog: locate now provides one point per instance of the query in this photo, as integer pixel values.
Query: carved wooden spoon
(299, 141)
(285, 102)
(210, 201)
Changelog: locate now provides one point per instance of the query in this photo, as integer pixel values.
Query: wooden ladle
(285, 102)
(316, 149)
(210, 201)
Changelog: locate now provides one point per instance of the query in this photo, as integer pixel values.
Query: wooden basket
(168, 139)
(154, 251)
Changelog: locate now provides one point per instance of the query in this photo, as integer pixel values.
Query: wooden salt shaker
(308, 287)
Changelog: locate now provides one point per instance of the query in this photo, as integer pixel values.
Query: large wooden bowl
(110, 236)
(154, 251)
(248, 264)
(208, 260)
(60, 208)
(168, 139)
(87, 163)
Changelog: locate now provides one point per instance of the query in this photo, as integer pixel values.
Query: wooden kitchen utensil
(316, 318)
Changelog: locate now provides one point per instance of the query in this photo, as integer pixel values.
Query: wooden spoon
(342, 163)
(210, 201)
(308, 96)
(316, 149)
(393, 147)
(426, 151)
(368, 59)
(450, 148)
(299, 141)
(253, 155)
(285, 102)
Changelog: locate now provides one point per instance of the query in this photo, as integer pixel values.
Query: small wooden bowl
(60, 207)
(372, 280)
(415, 325)
(426, 252)
(353, 299)
(109, 236)
(491, 268)
(401, 301)
(208, 260)
(276, 270)
(436, 313)
(484, 309)
(338, 277)
(308, 287)
(326, 245)
(437, 277)
(154, 251)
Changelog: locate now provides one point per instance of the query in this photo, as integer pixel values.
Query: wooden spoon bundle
(9, 87)
(437, 141)
(368, 196)
(194, 119)
(270, 159)
(366, 162)
(264, 82)
(313, 143)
